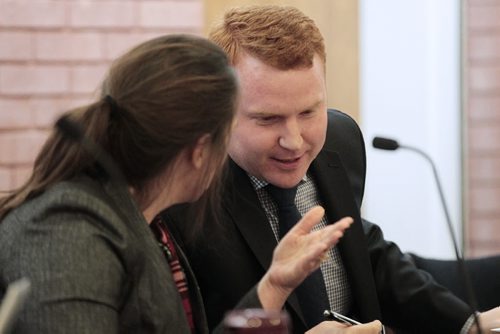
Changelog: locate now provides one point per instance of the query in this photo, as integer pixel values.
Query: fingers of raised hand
(331, 234)
(309, 220)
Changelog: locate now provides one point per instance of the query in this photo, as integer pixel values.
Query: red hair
(280, 36)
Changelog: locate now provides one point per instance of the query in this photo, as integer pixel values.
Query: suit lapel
(248, 215)
(200, 317)
(332, 181)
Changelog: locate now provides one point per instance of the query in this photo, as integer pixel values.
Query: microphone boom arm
(460, 261)
(441, 196)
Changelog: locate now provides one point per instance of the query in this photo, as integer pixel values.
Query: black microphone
(391, 145)
(385, 143)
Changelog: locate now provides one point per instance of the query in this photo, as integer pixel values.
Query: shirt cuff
(468, 324)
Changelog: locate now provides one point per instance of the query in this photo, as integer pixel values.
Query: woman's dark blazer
(94, 265)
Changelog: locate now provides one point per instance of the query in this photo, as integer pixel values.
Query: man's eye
(267, 119)
(307, 112)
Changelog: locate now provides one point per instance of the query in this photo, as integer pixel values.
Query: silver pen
(332, 315)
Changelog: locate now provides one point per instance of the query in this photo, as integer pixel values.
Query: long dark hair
(165, 94)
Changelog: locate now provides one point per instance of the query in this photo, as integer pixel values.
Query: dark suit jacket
(94, 265)
(385, 285)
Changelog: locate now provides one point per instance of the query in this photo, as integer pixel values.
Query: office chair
(484, 275)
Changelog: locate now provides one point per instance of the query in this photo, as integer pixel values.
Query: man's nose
(291, 136)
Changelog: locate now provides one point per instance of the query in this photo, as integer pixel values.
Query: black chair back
(484, 275)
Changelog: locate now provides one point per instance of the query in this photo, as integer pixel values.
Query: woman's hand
(297, 255)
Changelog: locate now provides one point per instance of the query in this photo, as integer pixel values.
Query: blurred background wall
(481, 126)
(53, 54)
(430, 77)
(411, 91)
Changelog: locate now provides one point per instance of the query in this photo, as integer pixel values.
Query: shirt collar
(259, 184)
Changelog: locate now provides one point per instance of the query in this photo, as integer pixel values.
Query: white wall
(410, 90)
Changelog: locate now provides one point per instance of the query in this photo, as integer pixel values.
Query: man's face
(280, 122)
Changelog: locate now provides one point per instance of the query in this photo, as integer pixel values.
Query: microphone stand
(441, 197)
(393, 145)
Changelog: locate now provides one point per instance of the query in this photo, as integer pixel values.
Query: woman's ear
(200, 152)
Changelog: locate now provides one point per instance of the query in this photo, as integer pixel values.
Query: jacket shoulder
(344, 137)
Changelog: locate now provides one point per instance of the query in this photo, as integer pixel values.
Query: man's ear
(200, 151)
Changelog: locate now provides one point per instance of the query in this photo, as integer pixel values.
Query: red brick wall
(53, 55)
(482, 86)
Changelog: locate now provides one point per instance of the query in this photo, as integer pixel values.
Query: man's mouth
(288, 163)
(291, 160)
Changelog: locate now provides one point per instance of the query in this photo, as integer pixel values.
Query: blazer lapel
(250, 218)
(196, 299)
(336, 193)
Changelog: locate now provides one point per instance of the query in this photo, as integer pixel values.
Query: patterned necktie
(311, 293)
